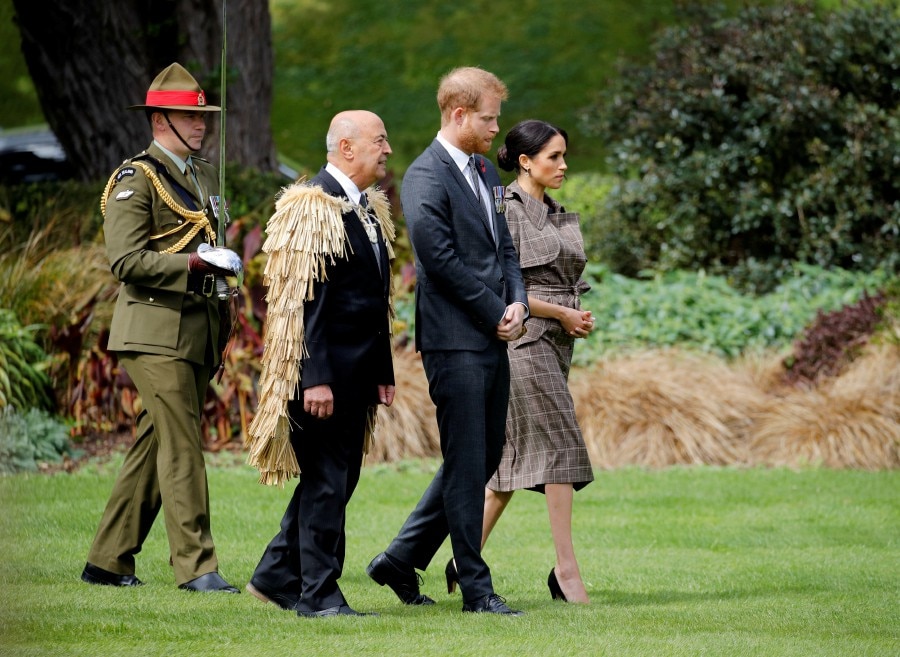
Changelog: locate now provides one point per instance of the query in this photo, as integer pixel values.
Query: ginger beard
(471, 142)
(478, 129)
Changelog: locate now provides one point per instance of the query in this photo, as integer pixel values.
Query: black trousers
(307, 556)
(471, 391)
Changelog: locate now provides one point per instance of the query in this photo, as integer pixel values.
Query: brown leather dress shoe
(209, 583)
(403, 581)
(491, 604)
(95, 575)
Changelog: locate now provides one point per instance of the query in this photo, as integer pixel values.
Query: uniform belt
(203, 285)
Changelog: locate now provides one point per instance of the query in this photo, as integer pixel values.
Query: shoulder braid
(196, 220)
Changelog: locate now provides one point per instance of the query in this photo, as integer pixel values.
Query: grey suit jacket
(464, 279)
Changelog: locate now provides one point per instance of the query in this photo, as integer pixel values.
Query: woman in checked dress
(544, 450)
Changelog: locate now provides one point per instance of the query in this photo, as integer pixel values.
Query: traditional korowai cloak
(303, 236)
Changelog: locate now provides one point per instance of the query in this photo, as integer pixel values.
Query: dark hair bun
(503, 159)
(526, 138)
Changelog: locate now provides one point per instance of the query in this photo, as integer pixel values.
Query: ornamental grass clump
(406, 429)
(664, 408)
(850, 421)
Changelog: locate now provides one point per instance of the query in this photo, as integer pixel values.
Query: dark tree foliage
(90, 59)
(833, 340)
(753, 141)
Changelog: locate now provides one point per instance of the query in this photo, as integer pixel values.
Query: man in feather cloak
(327, 362)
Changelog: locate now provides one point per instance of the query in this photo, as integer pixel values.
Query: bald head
(357, 144)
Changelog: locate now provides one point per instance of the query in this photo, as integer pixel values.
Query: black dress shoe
(339, 610)
(285, 600)
(208, 583)
(491, 604)
(403, 581)
(95, 575)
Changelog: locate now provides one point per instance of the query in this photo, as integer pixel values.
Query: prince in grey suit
(470, 301)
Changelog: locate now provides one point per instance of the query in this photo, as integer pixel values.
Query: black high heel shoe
(555, 589)
(452, 576)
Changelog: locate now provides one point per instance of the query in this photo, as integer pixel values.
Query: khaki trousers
(164, 468)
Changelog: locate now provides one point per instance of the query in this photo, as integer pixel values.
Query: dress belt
(554, 289)
(545, 292)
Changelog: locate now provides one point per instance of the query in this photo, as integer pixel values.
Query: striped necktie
(473, 178)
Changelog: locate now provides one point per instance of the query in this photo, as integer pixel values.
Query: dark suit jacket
(464, 279)
(347, 323)
(155, 313)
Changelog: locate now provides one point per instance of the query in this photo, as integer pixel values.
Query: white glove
(223, 258)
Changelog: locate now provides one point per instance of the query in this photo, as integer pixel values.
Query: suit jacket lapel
(384, 264)
(465, 187)
(491, 215)
(356, 234)
(361, 243)
(456, 174)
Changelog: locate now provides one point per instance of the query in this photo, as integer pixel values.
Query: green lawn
(700, 561)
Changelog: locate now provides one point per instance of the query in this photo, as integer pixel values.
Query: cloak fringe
(305, 234)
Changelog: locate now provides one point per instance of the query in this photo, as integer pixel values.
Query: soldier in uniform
(167, 329)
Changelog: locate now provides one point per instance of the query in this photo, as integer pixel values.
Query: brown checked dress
(544, 444)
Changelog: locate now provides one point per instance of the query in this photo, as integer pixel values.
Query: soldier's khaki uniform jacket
(155, 312)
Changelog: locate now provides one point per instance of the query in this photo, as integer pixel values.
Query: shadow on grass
(668, 597)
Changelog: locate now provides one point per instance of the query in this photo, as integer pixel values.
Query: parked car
(35, 155)
(32, 155)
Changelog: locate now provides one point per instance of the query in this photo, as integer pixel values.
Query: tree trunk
(90, 59)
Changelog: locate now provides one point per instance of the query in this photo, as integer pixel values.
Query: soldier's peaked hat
(176, 89)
